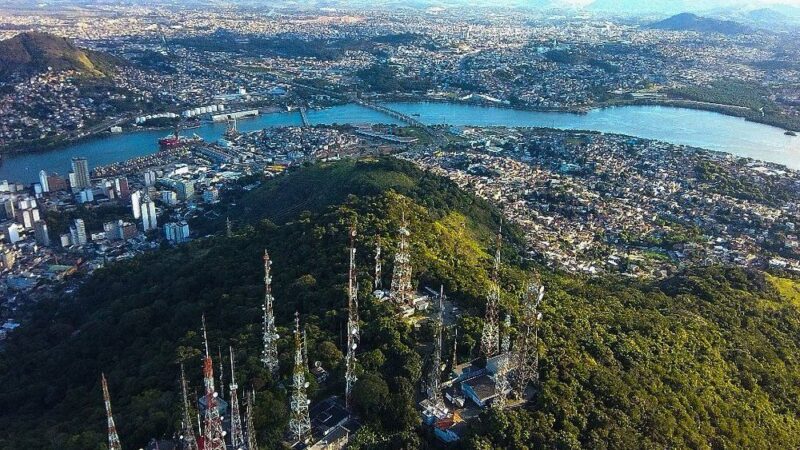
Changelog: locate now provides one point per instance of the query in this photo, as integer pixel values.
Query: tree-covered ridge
(702, 360)
(34, 52)
(705, 359)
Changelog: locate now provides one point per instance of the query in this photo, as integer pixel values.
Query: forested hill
(703, 360)
(35, 52)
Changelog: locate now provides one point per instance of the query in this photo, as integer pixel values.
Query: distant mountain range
(35, 52)
(692, 22)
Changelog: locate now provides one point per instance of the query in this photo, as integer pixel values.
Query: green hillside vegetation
(719, 95)
(694, 361)
(727, 92)
(33, 52)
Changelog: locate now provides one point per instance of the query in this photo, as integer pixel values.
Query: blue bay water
(703, 129)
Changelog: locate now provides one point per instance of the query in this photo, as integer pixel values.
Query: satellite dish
(215, 395)
(354, 345)
(318, 364)
(306, 384)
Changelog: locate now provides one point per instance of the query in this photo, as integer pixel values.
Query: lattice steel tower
(113, 437)
(401, 291)
(353, 331)
(434, 377)
(378, 274)
(299, 422)
(213, 436)
(490, 337)
(269, 355)
(187, 431)
(527, 347)
(502, 384)
(252, 444)
(237, 434)
(221, 391)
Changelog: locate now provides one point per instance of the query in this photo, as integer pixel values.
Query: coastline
(728, 110)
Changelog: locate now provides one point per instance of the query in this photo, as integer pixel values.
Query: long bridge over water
(438, 138)
(304, 116)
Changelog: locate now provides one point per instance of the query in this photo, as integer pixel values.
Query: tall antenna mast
(213, 436)
(353, 332)
(221, 372)
(490, 336)
(187, 433)
(501, 377)
(251, 429)
(434, 378)
(527, 347)
(378, 274)
(237, 434)
(270, 353)
(305, 349)
(299, 422)
(228, 227)
(454, 363)
(401, 291)
(113, 437)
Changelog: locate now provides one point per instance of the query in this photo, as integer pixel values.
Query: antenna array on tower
(299, 421)
(237, 433)
(434, 377)
(490, 337)
(187, 433)
(353, 332)
(527, 347)
(213, 435)
(270, 339)
(401, 291)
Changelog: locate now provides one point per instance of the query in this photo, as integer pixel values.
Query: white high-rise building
(43, 181)
(148, 210)
(12, 233)
(136, 204)
(78, 232)
(80, 170)
(149, 178)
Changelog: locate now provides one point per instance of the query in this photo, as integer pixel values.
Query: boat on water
(790, 133)
(175, 140)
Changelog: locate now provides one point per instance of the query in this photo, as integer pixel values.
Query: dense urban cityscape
(296, 248)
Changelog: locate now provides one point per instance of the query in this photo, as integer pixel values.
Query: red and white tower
(213, 435)
(113, 437)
